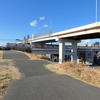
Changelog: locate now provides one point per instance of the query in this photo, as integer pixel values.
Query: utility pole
(50, 26)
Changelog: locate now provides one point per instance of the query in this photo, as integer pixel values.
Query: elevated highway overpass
(72, 36)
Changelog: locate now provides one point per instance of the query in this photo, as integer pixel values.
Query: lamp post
(96, 10)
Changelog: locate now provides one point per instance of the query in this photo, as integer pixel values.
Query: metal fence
(46, 33)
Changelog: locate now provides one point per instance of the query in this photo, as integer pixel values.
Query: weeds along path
(27, 66)
(40, 83)
(8, 73)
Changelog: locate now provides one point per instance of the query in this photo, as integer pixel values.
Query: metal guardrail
(66, 47)
(88, 47)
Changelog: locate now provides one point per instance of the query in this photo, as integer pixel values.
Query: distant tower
(25, 39)
(33, 36)
(28, 36)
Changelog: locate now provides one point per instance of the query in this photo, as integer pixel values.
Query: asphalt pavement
(42, 84)
(14, 55)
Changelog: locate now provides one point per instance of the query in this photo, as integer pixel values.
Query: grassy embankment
(7, 74)
(79, 71)
(34, 56)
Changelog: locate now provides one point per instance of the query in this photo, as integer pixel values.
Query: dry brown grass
(7, 74)
(1, 53)
(34, 56)
(79, 71)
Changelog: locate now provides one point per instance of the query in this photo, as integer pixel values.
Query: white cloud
(34, 23)
(42, 18)
(45, 25)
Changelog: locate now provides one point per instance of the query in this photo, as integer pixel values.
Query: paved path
(14, 55)
(41, 84)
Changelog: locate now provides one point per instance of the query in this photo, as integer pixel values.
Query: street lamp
(96, 10)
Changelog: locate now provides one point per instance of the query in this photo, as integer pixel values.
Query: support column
(72, 56)
(61, 52)
(74, 47)
(62, 49)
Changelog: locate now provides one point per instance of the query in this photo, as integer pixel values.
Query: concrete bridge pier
(74, 49)
(62, 50)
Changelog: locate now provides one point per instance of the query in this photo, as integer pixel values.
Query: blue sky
(19, 18)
